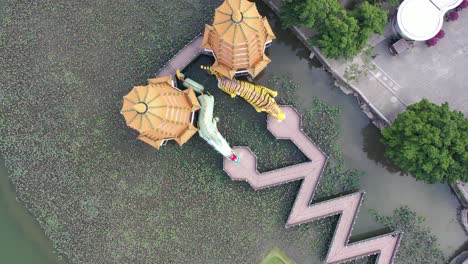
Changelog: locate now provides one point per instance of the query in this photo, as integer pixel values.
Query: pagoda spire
(236, 16)
(140, 107)
(238, 38)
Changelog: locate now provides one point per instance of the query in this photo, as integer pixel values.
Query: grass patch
(276, 256)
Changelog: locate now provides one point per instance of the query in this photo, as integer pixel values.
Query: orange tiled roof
(237, 38)
(159, 111)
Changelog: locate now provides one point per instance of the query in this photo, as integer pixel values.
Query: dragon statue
(209, 131)
(260, 97)
(207, 128)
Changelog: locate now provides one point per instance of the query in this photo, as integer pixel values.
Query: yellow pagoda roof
(237, 38)
(159, 111)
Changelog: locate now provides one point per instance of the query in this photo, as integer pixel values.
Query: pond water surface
(385, 187)
(22, 241)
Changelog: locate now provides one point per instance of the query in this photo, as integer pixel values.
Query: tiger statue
(260, 97)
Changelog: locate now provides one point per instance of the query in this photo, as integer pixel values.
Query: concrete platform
(437, 73)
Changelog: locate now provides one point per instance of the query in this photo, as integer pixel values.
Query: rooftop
(422, 19)
(159, 111)
(238, 38)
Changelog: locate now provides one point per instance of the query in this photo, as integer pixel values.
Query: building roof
(159, 111)
(237, 38)
(422, 19)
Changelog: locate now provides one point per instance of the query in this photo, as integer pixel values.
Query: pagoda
(161, 112)
(238, 38)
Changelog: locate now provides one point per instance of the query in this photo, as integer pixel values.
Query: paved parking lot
(438, 73)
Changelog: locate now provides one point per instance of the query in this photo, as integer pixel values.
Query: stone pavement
(346, 206)
(382, 101)
(437, 73)
(377, 89)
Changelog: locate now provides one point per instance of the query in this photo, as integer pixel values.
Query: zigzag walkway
(347, 206)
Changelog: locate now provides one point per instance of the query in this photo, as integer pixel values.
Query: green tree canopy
(315, 12)
(291, 11)
(339, 38)
(370, 17)
(309, 13)
(430, 142)
(340, 34)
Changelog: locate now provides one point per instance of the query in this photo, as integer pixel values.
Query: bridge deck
(183, 58)
(347, 206)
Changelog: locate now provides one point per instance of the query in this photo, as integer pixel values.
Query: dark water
(22, 241)
(385, 187)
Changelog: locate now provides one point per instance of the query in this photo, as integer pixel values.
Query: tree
(339, 37)
(290, 12)
(315, 12)
(430, 142)
(370, 17)
(309, 13)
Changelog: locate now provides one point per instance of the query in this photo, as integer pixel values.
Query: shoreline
(25, 220)
(374, 115)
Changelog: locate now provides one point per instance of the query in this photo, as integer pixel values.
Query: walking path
(377, 89)
(436, 73)
(183, 58)
(374, 93)
(347, 206)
